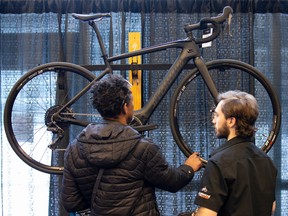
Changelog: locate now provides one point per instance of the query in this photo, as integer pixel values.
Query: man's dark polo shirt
(239, 180)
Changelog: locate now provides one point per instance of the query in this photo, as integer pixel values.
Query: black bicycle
(54, 114)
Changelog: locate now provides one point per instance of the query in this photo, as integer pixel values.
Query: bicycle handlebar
(211, 22)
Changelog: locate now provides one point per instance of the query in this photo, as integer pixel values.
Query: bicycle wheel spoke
(192, 103)
(35, 135)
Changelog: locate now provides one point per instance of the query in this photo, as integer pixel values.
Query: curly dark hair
(244, 108)
(110, 94)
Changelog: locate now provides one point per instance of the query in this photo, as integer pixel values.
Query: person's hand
(194, 161)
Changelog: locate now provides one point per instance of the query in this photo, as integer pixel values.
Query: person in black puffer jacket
(126, 166)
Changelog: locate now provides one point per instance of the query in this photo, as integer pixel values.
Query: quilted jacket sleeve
(161, 174)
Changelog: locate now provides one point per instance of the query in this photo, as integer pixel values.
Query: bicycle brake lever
(229, 24)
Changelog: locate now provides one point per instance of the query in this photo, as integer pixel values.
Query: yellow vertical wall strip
(135, 76)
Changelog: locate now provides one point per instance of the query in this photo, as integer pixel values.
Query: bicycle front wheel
(36, 137)
(191, 103)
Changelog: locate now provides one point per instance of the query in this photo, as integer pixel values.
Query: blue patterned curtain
(37, 32)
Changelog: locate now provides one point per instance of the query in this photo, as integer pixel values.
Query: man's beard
(222, 132)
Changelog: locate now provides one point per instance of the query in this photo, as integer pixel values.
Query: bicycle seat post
(101, 44)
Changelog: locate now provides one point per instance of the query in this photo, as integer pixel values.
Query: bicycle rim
(29, 107)
(191, 103)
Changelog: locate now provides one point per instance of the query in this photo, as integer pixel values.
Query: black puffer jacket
(133, 167)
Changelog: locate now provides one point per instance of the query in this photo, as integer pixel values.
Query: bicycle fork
(200, 64)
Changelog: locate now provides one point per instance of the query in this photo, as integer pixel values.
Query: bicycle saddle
(88, 17)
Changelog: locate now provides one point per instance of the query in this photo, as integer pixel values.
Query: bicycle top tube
(151, 49)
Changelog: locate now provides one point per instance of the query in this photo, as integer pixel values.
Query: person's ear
(231, 121)
(124, 108)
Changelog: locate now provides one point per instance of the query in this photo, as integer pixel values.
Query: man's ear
(124, 108)
(231, 121)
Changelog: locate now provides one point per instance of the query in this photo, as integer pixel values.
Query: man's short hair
(244, 108)
(110, 94)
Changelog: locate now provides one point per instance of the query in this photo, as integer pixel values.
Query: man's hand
(194, 161)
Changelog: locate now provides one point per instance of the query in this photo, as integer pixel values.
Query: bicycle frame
(189, 50)
(59, 115)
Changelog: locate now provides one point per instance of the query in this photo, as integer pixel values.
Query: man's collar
(231, 142)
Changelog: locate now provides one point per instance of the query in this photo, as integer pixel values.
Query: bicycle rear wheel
(191, 103)
(36, 96)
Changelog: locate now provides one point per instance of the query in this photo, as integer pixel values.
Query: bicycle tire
(244, 77)
(29, 106)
